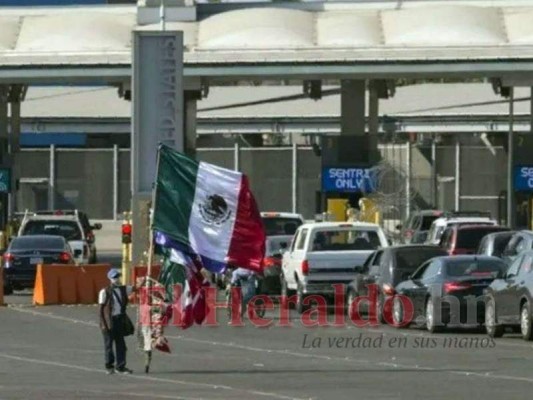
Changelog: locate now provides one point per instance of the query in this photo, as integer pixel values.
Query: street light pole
(510, 162)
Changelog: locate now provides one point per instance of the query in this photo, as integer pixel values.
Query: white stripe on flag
(211, 228)
(178, 257)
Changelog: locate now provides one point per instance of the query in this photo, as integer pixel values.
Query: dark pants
(116, 337)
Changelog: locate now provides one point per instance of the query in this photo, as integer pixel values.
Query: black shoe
(110, 371)
(124, 371)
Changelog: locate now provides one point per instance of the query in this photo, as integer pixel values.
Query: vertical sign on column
(157, 117)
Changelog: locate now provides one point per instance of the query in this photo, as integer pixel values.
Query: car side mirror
(96, 226)
(359, 269)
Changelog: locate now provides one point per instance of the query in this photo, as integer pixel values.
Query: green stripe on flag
(171, 274)
(176, 183)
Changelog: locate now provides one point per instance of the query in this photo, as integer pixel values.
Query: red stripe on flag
(247, 246)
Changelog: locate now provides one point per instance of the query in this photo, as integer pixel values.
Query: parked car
(456, 218)
(509, 299)
(386, 268)
(465, 239)
(520, 242)
(494, 244)
(462, 277)
(23, 255)
(325, 253)
(416, 228)
(73, 225)
(275, 246)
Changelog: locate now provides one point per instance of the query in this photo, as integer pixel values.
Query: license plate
(36, 260)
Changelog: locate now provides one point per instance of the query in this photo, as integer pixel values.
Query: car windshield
(427, 220)
(68, 229)
(353, 239)
(470, 238)
(281, 226)
(474, 267)
(410, 259)
(32, 243)
(500, 243)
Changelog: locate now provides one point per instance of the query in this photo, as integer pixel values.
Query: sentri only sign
(523, 178)
(348, 179)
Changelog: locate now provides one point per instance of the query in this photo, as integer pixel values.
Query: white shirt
(240, 273)
(102, 297)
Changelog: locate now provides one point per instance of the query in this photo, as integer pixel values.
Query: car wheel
(526, 327)
(8, 289)
(493, 329)
(300, 297)
(398, 314)
(431, 325)
(379, 309)
(350, 298)
(285, 291)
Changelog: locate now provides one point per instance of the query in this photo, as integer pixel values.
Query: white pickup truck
(324, 253)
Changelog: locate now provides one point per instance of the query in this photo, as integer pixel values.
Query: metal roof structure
(440, 108)
(229, 102)
(423, 38)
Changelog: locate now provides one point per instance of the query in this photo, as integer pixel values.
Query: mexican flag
(208, 211)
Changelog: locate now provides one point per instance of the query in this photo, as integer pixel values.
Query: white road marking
(306, 355)
(357, 361)
(150, 378)
(143, 395)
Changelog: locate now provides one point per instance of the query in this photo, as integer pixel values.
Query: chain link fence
(408, 177)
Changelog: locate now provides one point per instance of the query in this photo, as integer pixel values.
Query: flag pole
(152, 213)
(148, 358)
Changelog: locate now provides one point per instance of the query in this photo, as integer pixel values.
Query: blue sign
(46, 139)
(523, 178)
(49, 2)
(347, 179)
(5, 180)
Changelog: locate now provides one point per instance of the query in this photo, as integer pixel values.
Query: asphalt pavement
(56, 352)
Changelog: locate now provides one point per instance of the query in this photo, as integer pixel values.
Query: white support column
(115, 181)
(434, 195)
(510, 163)
(4, 155)
(457, 174)
(52, 179)
(408, 180)
(373, 111)
(190, 106)
(236, 156)
(531, 112)
(294, 177)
